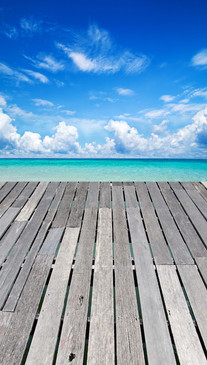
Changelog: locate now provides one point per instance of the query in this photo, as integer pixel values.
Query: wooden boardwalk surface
(103, 273)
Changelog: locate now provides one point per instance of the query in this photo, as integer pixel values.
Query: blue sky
(103, 78)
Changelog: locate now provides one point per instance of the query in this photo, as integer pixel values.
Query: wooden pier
(103, 273)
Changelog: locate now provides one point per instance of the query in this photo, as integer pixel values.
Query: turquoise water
(102, 170)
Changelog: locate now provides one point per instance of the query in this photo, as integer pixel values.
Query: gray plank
(11, 197)
(76, 214)
(128, 331)
(187, 343)
(202, 265)
(92, 197)
(33, 201)
(196, 197)
(30, 258)
(17, 334)
(15, 259)
(10, 238)
(7, 219)
(25, 194)
(4, 324)
(130, 196)
(55, 203)
(201, 189)
(158, 244)
(101, 339)
(117, 196)
(6, 189)
(64, 207)
(197, 295)
(45, 337)
(192, 211)
(72, 339)
(157, 336)
(105, 195)
(175, 241)
(2, 183)
(187, 230)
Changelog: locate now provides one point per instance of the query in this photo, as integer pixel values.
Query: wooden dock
(103, 273)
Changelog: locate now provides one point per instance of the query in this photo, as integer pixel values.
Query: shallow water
(103, 170)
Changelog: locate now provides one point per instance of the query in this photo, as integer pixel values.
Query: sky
(103, 78)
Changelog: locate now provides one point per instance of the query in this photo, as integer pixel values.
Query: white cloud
(2, 101)
(46, 62)
(122, 91)
(42, 102)
(31, 142)
(94, 52)
(31, 25)
(200, 59)
(16, 75)
(153, 114)
(10, 31)
(167, 98)
(68, 112)
(160, 128)
(64, 140)
(37, 75)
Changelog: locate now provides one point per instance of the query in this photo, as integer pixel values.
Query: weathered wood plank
(101, 339)
(4, 324)
(15, 259)
(25, 194)
(130, 196)
(128, 331)
(105, 195)
(204, 183)
(2, 183)
(11, 197)
(175, 241)
(92, 197)
(10, 238)
(192, 211)
(30, 258)
(7, 219)
(30, 206)
(202, 265)
(6, 189)
(64, 207)
(196, 197)
(17, 335)
(157, 336)
(197, 295)
(201, 189)
(161, 253)
(187, 230)
(117, 196)
(75, 217)
(72, 341)
(46, 333)
(187, 343)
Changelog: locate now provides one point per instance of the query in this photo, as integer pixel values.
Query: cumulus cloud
(2, 101)
(95, 52)
(122, 91)
(160, 128)
(200, 59)
(64, 140)
(167, 98)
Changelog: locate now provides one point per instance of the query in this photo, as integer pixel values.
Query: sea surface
(103, 170)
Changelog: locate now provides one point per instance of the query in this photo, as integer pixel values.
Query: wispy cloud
(11, 73)
(122, 91)
(95, 52)
(167, 98)
(10, 31)
(31, 25)
(200, 59)
(42, 102)
(157, 113)
(38, 76)
(68, 112)
(46, 62)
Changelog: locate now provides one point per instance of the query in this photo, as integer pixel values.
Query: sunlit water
(102, 170)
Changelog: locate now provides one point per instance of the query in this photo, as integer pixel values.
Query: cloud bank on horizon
(73, 88)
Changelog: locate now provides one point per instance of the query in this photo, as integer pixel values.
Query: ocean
(103, 170)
